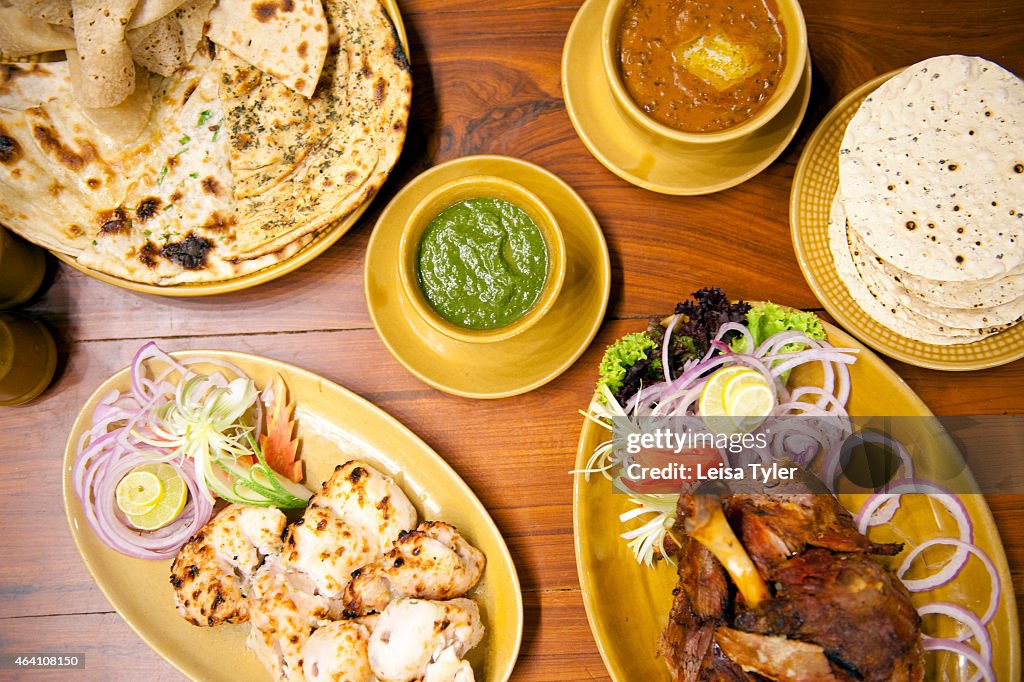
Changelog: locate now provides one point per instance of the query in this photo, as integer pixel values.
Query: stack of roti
(927, 228)
(196, 141)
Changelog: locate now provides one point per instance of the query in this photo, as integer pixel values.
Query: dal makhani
(701, 65)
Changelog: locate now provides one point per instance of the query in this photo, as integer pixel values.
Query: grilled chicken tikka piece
(327, 549)
(283, 613)
(363, 497)
(212, 571)
(432, 562)
(337, 652)
(420, 639)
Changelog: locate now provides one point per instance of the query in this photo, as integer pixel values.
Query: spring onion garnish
(209, 423)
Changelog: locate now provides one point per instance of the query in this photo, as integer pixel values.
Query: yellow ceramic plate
(321, 241)
(523, 362)
(814, 186)
(628, 604)
(334, 426)
(644, 159)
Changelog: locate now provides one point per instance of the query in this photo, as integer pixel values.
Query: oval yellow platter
(334, 425)
(628, 604)
(644, 159)
(515, 365)
(320, 242)
(814, 185)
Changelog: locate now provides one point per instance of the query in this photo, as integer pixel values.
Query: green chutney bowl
(474, 187)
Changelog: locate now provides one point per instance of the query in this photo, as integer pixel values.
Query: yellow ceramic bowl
(22, 267)
(472, 187)
(28, 358)
(795, 50)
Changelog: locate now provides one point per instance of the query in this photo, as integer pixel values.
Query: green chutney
(482, 263)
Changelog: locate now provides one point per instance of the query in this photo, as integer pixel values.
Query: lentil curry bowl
(701, 66)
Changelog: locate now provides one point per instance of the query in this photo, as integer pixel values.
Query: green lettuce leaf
(622, 355)
(767, 319)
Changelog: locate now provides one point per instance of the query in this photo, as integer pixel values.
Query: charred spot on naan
(210, 185)
(242, 78)
(380, 88)
(44, 81)
(10, 151)
(397, 51)
(265, 11)
(115, 222)
(218, 221)
(148, 254)
(147, 208)
(8, 73)
(49, 141)
(190, 253)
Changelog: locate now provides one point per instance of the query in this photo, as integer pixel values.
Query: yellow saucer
(523, 362)
(647, 160)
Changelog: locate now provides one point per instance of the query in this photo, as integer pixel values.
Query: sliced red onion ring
(806, 356)
(109, 449)
(778, 341)
(741, 329)
(944, 576)
(665, 346)
(876, 510)
(966, 617)
(965, 530)
(964, 651)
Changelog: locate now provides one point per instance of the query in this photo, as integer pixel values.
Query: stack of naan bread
(195, 141)
(927, 228)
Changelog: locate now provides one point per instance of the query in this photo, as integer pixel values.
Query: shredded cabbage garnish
(210, 421)
(648, 540)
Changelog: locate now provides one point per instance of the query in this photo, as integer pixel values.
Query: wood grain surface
(486, 81)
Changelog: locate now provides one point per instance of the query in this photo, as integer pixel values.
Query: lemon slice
(137, 492)
(735, 394)
(749, 404)
(169, 504)
(735, 399)
(712, 396)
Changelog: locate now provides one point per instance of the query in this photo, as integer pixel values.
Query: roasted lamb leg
(783, 587)
(851, 606)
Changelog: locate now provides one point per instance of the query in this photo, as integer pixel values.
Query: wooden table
(486, 81)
